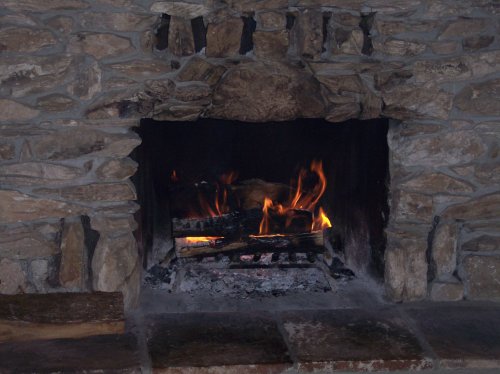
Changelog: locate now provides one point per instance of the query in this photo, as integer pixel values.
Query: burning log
(312, 242)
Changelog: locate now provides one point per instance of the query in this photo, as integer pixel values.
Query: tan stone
(100, 45)
(55, 103)
(482, 243)
(142, 68)
(463, 27)
(14, 111)
(342, 108)
(147, 41)
(223, 38)
(480, 98)
(310, 35)
(116, 169)
(192, 92)
(441, 70)
(132, 287)
(473, 43)
(94, 192)
(397, 47)
(270, 44)
(438, 150)
(17, 207)
(271, 20)
(17, 19)
(33, 173)
(7, 151)
(409, 129)
(247, 6)
(488, 174)
(27, 242)
(198, 69)
(408, 206)
(406, 265)
(180, 9)
(176, 112)
(46, 5)
(23, 39)
(180, 37)
(62, 24)
(87, 81)
(444, 48)
(441, 8)
(481, 277)
(114, 225)
(265, 91)
(484, 207)
(125, 21)
(113, 262)
(444, 250)
(12, 277)
(346, 19)
(436, 183)
(38, 74)
(393, 6)
(409, 102)
(73, 258)
(343, 84)
(447, 291)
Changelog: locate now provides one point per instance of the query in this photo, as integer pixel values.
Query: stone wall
(77, 75)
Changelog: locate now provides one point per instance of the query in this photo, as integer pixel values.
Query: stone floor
(459, 337)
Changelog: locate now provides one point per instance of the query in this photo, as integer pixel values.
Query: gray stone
(39, 274)
(18, 207)
(271, 20)
(473, 43)
(393, 7)
(114, 225)
(480, 98)
(488, 173)
(17, 19)
(444, 48)
(176, 112)
(342, 108)
(46, 5)
(481, 277)
(443, 8)
(441, 70)
(391, 27)
(180, 9)
(38, 74)
(33, 173)
(463, 27)
(126, 21)
(87, 81)
(23, 39)
(113, 262)
(396, 47)
(100, 45)
(62, 24)
(406, 264)
(447, 291)
(27, 242)
(271, 44)
(55, 103)
(7, 151)
(482, 243)
(346, 19)
(12, 277)
(180, 37)
(116, 169)
(310, 35)
(408, 206)
(444, 250)
(267, 92)
(436, 183)
(192, 92)
(142, 68)
(93, 192)
(247, 6)
(223, 38)
(480, 208)
(14, 111)
(198, 69)
(438, 150)
(349, 42)
(409, 102)
(73, 256)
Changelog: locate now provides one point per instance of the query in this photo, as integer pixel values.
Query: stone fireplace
(77, 76)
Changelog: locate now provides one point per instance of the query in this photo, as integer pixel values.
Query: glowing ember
(201, 239)
(173, 177)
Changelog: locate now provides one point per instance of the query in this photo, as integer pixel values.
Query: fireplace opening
(280, 207)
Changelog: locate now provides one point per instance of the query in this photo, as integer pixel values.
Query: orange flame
(173, 177)
(321, 221)
(220, 201)
(201, 239)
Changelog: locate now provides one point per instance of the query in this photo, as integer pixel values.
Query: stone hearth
(77, 75)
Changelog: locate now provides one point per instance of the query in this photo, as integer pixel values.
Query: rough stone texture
(480, 98)
(180, 9)
(444, 250)
(23, 39)
(55, 103)
(406, 264)
(473, 43)
(100, 45)
(447, 291)
(116, 225)
(408, 206)
(13, 111)
(94, 192)
(399, 47)
(271, 44)
(27, 242)
(7, 151)
(192, 92)
(483, 243)
(116, 169)
(271, 20)
(481, 277)
(12, 277)
(35, 6)
(481, 208)
(180, 37)
(39, 273)
(73, 256)
(436, 183)
(463, 27)
(286, 94)
(198, 69)
(62, 24)
(126, 21)
(223, 38)
(310, 36)
(141, 68)
(87, 81)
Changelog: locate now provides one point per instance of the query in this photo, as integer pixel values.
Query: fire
(219, 205)
(201, 239)
(306, 197)
(173, 177)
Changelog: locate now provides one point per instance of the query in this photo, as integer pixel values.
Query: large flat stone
(13, 111)
(352, 340)
(28, 242)
(484, 207)
(24, 39)
(481, 277)
(37, 6)
(183, 342)
(480, 98)
(100, 45)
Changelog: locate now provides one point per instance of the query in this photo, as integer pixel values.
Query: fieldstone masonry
(77, 75)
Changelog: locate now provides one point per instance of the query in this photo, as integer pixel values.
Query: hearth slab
(353, 339)
(96, 354)
(462, 335)
(184, 343)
